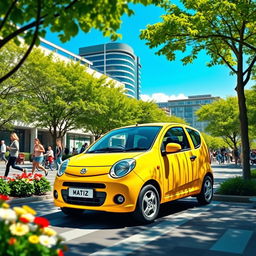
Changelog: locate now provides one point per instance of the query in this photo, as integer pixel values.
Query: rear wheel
(206, 194)
(71, 211)
(148, 204)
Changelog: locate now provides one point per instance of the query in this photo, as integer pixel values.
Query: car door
(177, 167)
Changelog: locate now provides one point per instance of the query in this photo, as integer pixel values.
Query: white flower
(28, 216)
(47, 241)
(7, 214)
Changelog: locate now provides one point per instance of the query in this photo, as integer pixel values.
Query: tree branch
(31, 25)
(30, 47)
(7, 14)
(249, 71)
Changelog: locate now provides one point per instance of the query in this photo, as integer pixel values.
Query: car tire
(206, 194)
(148, 205)
(71, 211)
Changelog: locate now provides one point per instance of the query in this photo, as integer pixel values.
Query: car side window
(175, 135)
(195, 137)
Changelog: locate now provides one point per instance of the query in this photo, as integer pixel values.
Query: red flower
(24, 220)
(40, 221)
(4, 198)
(12, 241)
(60, 252)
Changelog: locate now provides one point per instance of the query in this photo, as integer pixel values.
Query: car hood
(95, 164)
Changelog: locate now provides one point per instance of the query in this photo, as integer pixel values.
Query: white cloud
(161, 97)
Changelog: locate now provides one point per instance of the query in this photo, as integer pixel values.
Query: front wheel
(206, 194)
(148, 204)
(71, 211)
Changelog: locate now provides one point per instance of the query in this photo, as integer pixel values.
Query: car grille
(97, 200)
(83, 185)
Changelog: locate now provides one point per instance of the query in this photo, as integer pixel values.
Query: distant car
(135, 169)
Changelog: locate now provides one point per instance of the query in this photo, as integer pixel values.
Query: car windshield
(138, 138)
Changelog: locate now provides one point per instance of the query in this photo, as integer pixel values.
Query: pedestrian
(14, 153)
(84, 147)
(49, 157)
(58, 153)
(38, 156)
(3, 151)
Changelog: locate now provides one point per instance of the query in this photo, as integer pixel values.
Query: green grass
(238, 186)
(253, 173)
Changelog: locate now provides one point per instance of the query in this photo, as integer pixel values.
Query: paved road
(183, 228)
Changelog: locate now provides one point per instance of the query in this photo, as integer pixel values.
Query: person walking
(38, 156)
(49, 157)
(3, 151)
(58, 153)
(14, 152)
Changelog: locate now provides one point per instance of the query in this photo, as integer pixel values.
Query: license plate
(80, 192)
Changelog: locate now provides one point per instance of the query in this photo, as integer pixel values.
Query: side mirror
(172, 148)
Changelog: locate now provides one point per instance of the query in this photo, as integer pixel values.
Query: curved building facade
(118, 61)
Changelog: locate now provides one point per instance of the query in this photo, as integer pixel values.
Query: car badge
(83, 171)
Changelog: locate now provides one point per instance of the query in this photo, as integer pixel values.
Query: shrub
(21, 187)
(253, 173)
(22, 233)
(41, 184)
(4, 187)
(238, 186)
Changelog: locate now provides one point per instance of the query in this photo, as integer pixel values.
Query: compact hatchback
(135, 169)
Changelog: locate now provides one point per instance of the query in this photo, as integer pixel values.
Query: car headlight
(63, 167)
(122, 168)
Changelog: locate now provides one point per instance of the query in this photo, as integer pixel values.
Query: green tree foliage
(225, 30)
(149, 112)
(28, 19)
(214, 143)
(13, 103)
(58, 90)
(223, 121)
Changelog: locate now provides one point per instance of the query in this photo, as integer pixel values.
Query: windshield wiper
(135, 149)
(108, 149)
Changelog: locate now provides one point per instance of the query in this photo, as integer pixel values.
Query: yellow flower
(33, 239)
(49, 232)
(19, 229)
(19, 210)
(29, 209)
(5, 205)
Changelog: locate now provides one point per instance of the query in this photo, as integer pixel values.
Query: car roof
(159, 124)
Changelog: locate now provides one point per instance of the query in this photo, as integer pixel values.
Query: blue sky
(161, 78)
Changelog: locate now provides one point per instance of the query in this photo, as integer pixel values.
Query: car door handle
(193, 158)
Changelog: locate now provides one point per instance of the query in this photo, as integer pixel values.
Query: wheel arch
(156, 185)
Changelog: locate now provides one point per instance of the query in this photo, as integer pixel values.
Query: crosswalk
(105, 234)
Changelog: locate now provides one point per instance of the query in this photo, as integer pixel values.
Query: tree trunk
(244, 126)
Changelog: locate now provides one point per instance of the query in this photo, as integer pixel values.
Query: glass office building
(118, 61)
(186, 109)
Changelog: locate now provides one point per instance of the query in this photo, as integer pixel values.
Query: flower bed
(24, 234)
(24, 185)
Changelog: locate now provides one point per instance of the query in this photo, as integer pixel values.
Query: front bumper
(104, 188)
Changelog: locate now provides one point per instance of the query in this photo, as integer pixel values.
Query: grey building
(118, 61)
(186, 108)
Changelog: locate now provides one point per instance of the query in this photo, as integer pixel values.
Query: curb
(229, 198)
(15, 200)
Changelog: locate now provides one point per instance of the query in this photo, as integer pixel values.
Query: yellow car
(135, 169)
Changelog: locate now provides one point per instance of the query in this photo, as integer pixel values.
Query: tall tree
(58, 92)
(13, 103)
(223, 121)
(225, 30)
(28, 19)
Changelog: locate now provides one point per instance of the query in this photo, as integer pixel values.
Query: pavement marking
(233, 240)
(128, 245)
(75, 233)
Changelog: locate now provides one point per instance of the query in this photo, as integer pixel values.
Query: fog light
(55, 194)
(119, 199)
